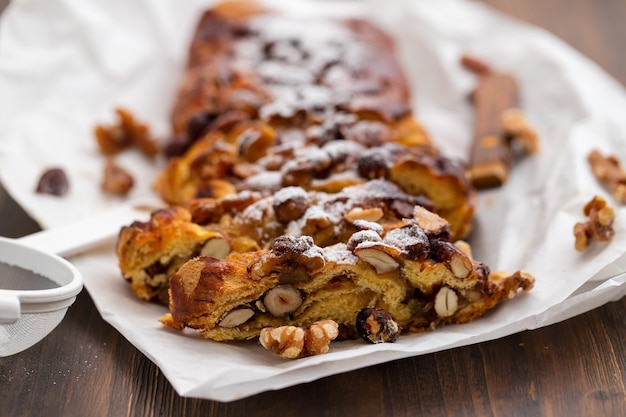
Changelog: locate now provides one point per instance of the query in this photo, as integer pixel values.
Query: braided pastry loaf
(270, 100)
(297, 257)
(303, 188)
(406, 266)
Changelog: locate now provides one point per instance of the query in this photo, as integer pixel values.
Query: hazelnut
(290, 203)
(372, 165)
(254, 142)
(236, 317)
(376, 325)
(282, 300)
(217, 247)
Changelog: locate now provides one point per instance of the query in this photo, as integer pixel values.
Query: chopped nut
(282, 300)
(369, 214)
(127, 132)
(446, 302)
(381, 261)
(517, 127)
(455, 259)
(291, 342)
(365, 225)
(376, 325)
(116, 180)
(610, 172)
(317, 338)
(435, 226)
(217, 247)
(254, 141)
(236, 317)
(411, 240)
(286, 341)
(599, 226)
(292, 259)
(362, 236)
(290, 203)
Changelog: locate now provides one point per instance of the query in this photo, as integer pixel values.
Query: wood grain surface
(574, 368)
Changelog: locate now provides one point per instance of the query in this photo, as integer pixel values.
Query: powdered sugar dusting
(339, 254)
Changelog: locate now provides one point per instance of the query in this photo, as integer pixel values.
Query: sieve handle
(89, 233)
(10, 308)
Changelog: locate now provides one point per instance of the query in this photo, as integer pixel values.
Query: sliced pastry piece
(412, 272)
(148, 252)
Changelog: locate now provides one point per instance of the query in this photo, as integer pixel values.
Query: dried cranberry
(373, 164)
(53, 181)
(198, 123)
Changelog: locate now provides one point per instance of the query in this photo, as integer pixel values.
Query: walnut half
(291, 342)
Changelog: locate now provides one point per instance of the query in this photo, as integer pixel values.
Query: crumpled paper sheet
(65, 65)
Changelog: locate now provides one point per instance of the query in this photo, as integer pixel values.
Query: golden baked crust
(269, 101)
(149, 251)
(416, 275)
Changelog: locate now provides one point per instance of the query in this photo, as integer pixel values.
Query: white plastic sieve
(29, 311)
(27, 315)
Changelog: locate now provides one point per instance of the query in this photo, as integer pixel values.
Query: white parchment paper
(65, 65)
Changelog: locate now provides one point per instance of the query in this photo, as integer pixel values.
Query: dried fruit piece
(54, 182)
(376, 325)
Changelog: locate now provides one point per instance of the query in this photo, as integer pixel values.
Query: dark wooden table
(574, 368)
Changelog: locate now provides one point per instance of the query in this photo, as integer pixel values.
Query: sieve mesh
(13, 277)
(28, 330)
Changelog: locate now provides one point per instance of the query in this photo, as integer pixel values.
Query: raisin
(53, 181)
